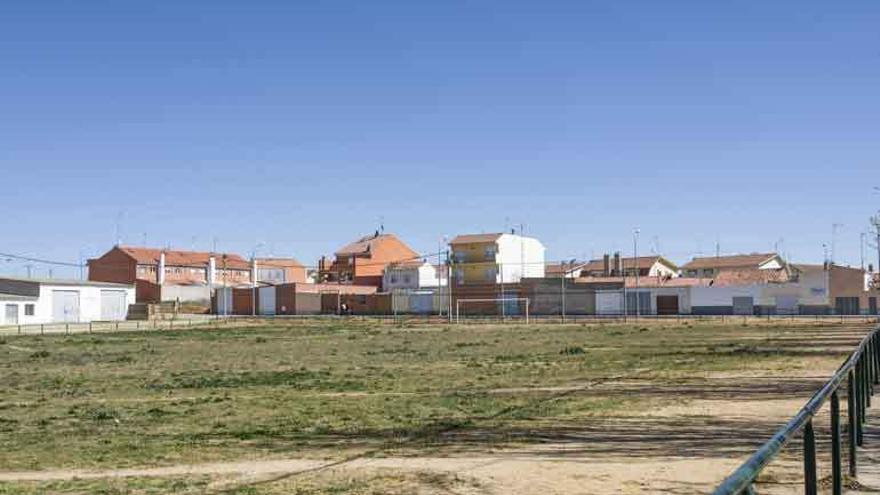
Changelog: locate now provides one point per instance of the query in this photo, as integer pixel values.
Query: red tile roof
(150, 256)
(645, 282)
(643, 262)
(734, 261)
(365, 244)
(475, 238)
(279, 262)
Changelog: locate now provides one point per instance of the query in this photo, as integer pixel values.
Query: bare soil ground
(612, 409)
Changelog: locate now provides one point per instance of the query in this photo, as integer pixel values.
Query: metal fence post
(836, 476)
(852, 420)
(809, 459)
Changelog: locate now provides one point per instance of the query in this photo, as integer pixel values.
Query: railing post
(876, 359)
(860, 397)
(863, 412)
(852, 419)
(809, 459)
(869, 378)
(836, 475)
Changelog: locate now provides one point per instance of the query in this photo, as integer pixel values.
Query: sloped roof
(365, 244)
(734, 261)
(642, 262)
(645, 282)
(751, 276)
(150, 256)
(475, 238)
(279, 262)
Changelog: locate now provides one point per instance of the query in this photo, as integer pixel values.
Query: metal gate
(113, 307)
(667, 305)
(11, 314)
(65, 306)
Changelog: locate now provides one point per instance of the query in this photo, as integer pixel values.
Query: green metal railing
(858, 374)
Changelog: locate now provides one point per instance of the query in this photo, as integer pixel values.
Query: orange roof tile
(150, 256)
(734, 261)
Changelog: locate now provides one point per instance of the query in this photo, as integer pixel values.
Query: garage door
(266, 300)
(113, 307)
(667, 305)
(65, 306)
(744, 306)
(609, 303)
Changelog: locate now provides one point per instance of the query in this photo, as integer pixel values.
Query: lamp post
(636, 233)
(254, 278)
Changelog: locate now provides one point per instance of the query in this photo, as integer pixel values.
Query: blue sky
(300, 124)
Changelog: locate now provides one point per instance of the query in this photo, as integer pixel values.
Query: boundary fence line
(194, 321)
(860, 373)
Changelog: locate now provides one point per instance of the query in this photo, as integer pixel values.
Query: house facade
(413, 275)
(25, 301)
(162, 275)
(616, 266)
(495, 259)
(713, 266)
(276, 271)
(363, 261)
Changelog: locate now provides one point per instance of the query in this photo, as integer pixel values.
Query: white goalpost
(502, 300)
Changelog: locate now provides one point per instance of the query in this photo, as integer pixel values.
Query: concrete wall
(186, 293)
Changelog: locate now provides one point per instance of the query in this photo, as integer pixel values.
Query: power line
(41, 260)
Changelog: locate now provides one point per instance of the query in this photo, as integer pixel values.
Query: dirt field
(362, 408)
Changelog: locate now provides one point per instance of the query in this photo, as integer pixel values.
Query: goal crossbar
(491, 299)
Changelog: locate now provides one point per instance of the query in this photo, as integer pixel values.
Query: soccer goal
(504, 306)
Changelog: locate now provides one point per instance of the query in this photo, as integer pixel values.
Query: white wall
(519, 257)
(723, 296)
(89, 303)
(661, 270)
(421, 277)
(19, 304)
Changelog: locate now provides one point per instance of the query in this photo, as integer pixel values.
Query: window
(29, 310)
(489, 274)
(394, 279)
(406, 279)
(490, 252)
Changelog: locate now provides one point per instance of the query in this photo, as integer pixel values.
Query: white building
(496, 258)
(413, 275)
(25, 301)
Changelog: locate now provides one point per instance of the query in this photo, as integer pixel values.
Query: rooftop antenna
(834, 228)
(144, 239)
(382, 224)
(119, 228)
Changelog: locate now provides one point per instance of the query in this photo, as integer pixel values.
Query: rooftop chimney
(606, 265)
(618, 265)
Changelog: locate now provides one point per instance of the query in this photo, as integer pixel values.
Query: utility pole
(636, 233)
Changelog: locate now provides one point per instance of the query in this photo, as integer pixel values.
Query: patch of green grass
(319, 388)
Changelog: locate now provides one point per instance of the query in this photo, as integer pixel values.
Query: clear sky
(300, 124)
